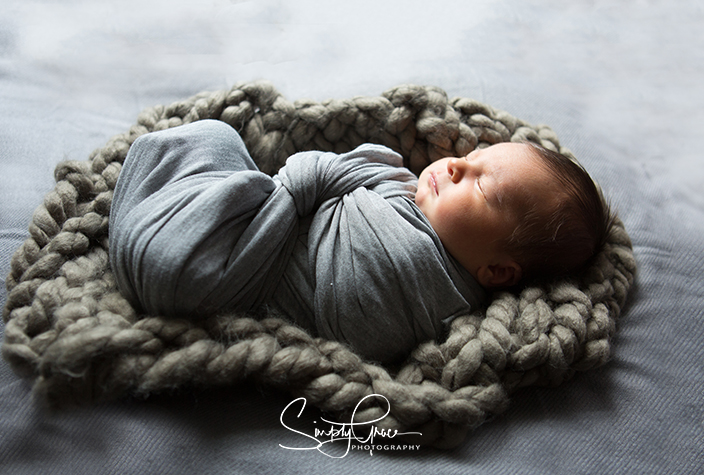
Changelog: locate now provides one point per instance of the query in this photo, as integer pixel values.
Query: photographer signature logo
(323, 439)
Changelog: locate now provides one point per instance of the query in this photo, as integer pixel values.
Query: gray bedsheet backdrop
(620, 82)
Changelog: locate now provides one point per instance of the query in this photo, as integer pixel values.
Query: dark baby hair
(553, 241)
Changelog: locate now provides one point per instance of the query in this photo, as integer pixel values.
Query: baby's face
(472, 202)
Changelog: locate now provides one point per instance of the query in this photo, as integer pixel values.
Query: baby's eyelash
(479, 184)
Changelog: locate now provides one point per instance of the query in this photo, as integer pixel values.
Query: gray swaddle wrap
(334, 241)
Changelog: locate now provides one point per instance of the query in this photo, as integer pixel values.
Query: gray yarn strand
(71, 332)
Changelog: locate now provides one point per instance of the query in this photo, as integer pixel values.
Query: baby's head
(514, 211)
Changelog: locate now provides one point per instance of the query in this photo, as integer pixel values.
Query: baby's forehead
(521, 176)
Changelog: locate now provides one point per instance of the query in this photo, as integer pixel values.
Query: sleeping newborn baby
(353, 247)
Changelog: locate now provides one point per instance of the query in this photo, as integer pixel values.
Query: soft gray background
(620, 82)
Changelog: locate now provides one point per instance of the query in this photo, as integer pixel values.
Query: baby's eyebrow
(499, 192)
(499, 197)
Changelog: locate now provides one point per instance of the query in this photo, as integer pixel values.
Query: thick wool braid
(69, 329)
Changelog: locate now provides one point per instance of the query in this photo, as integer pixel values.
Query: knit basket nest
(71, 332)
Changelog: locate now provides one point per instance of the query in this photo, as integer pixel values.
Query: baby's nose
(456, 167)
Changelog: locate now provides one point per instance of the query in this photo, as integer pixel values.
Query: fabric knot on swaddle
(334, 241)
(315, 177)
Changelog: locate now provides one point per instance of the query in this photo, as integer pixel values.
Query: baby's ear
(505, 274)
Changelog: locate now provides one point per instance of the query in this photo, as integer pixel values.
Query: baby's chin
(422, 191)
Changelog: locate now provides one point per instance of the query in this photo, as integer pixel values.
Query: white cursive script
(345, 431)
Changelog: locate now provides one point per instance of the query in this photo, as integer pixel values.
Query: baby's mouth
(433, 183)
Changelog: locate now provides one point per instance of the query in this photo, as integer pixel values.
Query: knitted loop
(69, 329)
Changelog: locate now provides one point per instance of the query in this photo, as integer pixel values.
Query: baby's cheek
(451, 226)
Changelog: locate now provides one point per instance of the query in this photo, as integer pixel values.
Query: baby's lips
(433, 183)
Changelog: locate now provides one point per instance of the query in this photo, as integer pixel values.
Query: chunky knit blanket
(69, 330)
